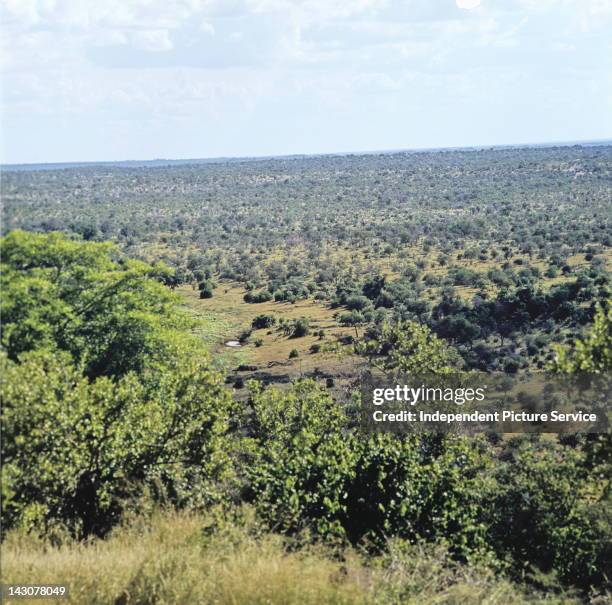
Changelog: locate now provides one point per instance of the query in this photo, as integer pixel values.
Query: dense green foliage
(408, 348)
(592, 354)
(103, 394)
(111, 314)
(75, 450)
(529, 508)
(550, 513)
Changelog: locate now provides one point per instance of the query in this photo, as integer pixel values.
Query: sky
(93, 80)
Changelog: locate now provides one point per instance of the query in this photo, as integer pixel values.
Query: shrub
(309, 472)
(552, 271)
(300, 327)
(263, 321)
(74, 450)
(104, 390)
(258, 297)
(354, 318)
(420, 488)
(301, 462)
(206, 291)
(512, 366)
(358, 302)
(244, 336)
(205, 285)
(407, 347)
(555, 527)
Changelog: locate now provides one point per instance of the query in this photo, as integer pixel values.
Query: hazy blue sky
(142, 79)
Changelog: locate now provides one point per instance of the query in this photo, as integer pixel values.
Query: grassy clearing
(226, 315)
(173, 559)
(214, 328)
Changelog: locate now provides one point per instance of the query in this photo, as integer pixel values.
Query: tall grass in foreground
(177, 558)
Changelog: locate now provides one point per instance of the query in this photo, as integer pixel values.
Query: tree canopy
(111, 314)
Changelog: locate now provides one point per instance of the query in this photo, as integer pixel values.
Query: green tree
(545, 494)
(308, 470)
(300, 460)
(592, 354)
(408, 348)
(112, 315)
(206, 289)
(421, 488)
(586, 543)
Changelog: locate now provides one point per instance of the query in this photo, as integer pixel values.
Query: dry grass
(172, 559)
(172, 562)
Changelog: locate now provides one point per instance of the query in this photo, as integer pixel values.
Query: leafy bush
(409, 348)
(300, 460)
(358, 302)
(104, 391)
(300, 327)
(420, 488)
(206, 289)
(592, 354)
(258, 297)
(354, 318)
(291, 291)
(543, 494)
(263, 321)
(309, 472)
(74, 450)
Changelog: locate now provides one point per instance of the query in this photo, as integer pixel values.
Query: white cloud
(137, 61)
(468, 4)
(152, 40)
(207, 28)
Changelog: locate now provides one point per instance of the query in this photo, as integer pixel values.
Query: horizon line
(238, 158)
